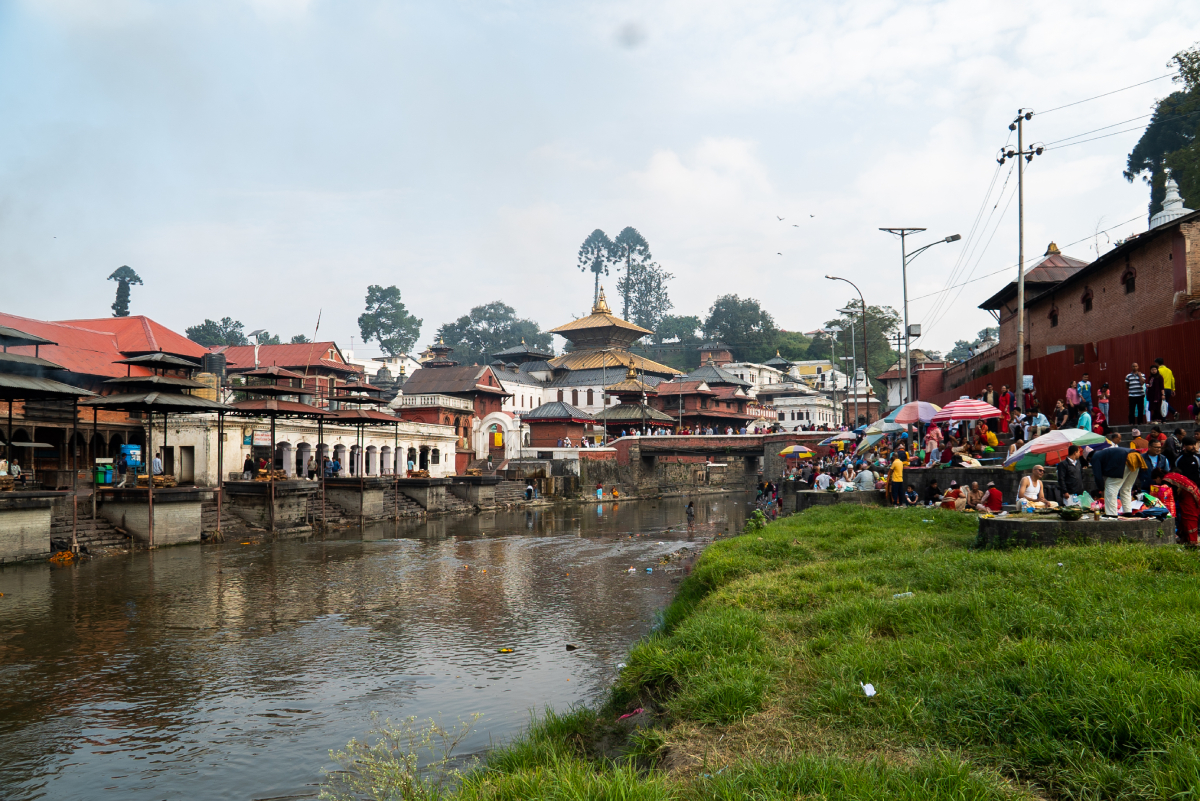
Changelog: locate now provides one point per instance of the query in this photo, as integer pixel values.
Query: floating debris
(572, 647)
(505, 651)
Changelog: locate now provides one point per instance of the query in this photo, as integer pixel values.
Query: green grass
(1069, 672)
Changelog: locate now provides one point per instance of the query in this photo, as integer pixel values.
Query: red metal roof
(294, 357)
(682, 388)
(140, 334)
(79, 350)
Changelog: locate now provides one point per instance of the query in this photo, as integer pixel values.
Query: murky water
(230, 671)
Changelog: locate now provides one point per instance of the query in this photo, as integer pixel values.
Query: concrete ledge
(809, 498)
(1048, 530)
(25, 526)
(479, 491)
(167, 495)
(251, 501)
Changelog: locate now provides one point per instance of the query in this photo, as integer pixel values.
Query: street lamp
(905, 259)
(866, 360)
(834, 331)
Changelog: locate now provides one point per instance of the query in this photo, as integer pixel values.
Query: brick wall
(547, 435)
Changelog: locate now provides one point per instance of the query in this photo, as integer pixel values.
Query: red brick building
(551, 422)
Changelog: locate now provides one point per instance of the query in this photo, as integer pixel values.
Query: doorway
(187, 464)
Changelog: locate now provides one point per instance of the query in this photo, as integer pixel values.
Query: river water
(230, 671)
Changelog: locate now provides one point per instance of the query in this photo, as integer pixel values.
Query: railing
(444, 401)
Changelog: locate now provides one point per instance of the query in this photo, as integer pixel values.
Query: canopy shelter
(913, 412)
(165, 399)
(161, 361)
(1051, 448)
(797, 452)
(271, 404)
(966, 409)
(360, 419)
(23, 378)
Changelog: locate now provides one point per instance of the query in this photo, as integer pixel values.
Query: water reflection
(230, 671)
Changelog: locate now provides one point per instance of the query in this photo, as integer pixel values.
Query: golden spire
(631, 374)
(601, 306)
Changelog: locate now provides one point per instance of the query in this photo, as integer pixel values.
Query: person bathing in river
(691, 514)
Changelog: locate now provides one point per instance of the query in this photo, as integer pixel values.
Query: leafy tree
(1170, 140)
(964, 350)
(649, 301)
(125, 277)
(792, 345)
(213, 334)
(596, 254)
(267, 338)
(631, 252)
(742, 324)
(882, 322)
(489, 329)
(300, 339)
(674, 328)
(388, 321)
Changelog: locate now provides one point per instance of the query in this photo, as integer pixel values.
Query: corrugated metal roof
(683, 388)
(633, 413)
(140, 334)
(556, 410)
(293, 357)
(156, 402)
(9, 361)
(24, 387)
(449, 381)
(11, 336)
(711, 374)
(79, 350)
(274, 407)
(615, 358)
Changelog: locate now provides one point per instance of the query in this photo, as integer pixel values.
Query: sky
(267, 160)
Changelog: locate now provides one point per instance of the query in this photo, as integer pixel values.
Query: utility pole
(1023, 115)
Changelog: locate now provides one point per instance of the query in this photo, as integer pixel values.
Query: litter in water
(506, 650)
(649, 570)
(572, 647)
(868, 689)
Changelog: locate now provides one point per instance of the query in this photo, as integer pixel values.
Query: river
(230, 671)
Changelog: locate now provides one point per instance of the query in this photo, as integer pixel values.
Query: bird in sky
(812, 215)
(778, 217)
(794, 225)
(778, 254)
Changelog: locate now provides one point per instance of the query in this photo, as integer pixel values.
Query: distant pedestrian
(896, 477)
(122, 469)
(1103, 396)
(529, 492)
(1168, 376)
(312, 468)
(691, 514)
(248, 468)
(1084, 387)
(156, 466)
(1135, 387)
(1156, 404)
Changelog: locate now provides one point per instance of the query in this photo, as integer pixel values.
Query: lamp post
(905, 259)
(834, 331)
(866, 359)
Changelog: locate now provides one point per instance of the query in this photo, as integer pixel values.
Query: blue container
(133, 456)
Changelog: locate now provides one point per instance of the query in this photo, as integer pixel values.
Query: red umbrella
(967, 409)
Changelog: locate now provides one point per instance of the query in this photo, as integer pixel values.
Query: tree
(300, 339)
(792, 345)
(649, 301)
(882, 322)
(631, 253)
(388, 321)
(486, 330)
(1171, 140)
(743, 325)
(964, 350)
(125, 277)
(213, 334)
(267, 338)
(596, 254)
(674, 328)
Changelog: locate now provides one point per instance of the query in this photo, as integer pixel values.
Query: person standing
(988, 396)
(1168, 377)
(122, 469)
(1073, 394)
(1084, 388)
(1155, 460)
(312, 468)
(896, 478)
(1103, 397)
(691, 514)
(1155, 396)
(1119, 468)
(248, 468)
(1135, 387)
(1004, 403)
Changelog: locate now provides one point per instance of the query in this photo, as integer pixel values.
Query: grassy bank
(1052, 673)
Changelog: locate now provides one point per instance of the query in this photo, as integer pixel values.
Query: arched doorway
(424, 463)
(411, 459)
(386, 468)
(285, 458)
(339, 456)
(371, 463)
(303, 454)
(495, 443)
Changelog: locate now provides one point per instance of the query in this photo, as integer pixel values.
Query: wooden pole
(149, 459)
(271, 477)
(220, 469)
(74, 476)
(95, 436)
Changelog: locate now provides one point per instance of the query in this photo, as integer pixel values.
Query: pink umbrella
(915, 412)
(967, 409)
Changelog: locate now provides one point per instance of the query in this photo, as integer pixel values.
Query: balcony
(439, 401)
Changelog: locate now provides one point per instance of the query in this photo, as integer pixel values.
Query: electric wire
(1106, 94)
(1006, 269)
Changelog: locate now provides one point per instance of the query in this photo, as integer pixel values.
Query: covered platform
(1047, 530)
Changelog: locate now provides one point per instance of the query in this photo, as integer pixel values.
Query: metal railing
(444, 401)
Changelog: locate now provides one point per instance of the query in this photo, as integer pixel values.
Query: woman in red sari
(1005, 404)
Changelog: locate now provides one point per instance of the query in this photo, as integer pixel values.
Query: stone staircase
(406, 505)
(482, 466)
(510, 492)
(335, 515)
(231, 524)
(456, 505)
(92, 534)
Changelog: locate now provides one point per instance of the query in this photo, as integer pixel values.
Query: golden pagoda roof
(601, 317)
(631, 385)
(613, 358)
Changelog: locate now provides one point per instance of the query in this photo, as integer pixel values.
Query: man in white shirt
(823, 481)
(156, 465)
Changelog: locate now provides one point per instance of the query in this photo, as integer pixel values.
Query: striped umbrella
(915, 412)
(966, 409)
(797, 452)
(1051, 448)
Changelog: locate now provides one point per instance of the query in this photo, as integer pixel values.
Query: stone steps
(91, 534)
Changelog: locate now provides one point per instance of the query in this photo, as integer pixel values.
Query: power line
(1106, 94)
(1006, 269)
(1105, 128)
